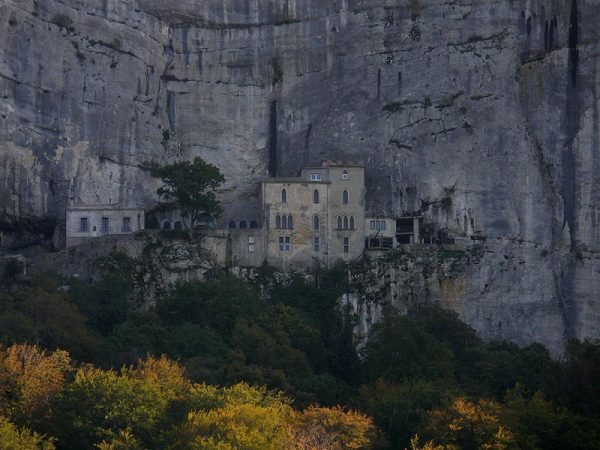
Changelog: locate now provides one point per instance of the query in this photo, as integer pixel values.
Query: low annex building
(86, 222)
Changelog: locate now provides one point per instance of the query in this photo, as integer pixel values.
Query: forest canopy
(218, 364)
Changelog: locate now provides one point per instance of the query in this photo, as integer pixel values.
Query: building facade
(380, 233)
(315, 219)
(87, 222)
(311, 221)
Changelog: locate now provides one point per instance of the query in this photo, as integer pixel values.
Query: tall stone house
(314, 219)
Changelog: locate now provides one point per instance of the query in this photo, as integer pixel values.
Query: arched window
(290, 222)
(316, 196)
(283, 196)
(278, 221)
(284, 222)
(206, 218)
(345, 197)
(232, 224)
(316, 223)
(243, 224)
(177, 225)
(339, 222)
(352, 222)
(253, 224)
(345, 222)
(166, 225)
(345, 175)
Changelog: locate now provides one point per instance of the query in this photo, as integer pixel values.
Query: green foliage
(425, 374)
(153, 406)
(13, 438)
(470, 426)
(401, 409)
(106, 302)
(191, 185)
(400, 350)
(214, 303)
(583, 375)
(29, 381)
(44, 315)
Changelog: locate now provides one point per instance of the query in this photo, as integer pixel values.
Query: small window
(383, 225)
(105, 225)
(177, 225)
(352, 222)
(253, 224)
(345, 197)
(126, 225)
(277, 221)
(283, 196)
(339, 222)
(232, 224)
(316, 222)
(372, 225)
(290, 222)
(251, 244)
(315, 177)
(285, 244)
(346, 245)
(316, 244)
(284, 223)
(243, 224)
(167, 225)
(345, 222)
(345, 175)
(83, 225)
(316, 196)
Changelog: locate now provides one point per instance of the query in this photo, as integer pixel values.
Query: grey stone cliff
(481, 115)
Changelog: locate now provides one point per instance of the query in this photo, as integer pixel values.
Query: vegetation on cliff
(191, 185)
(423, 381)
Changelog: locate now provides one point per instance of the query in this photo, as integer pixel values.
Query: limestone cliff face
(482, 115)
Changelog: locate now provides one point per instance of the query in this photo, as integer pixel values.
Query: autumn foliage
(153, 406)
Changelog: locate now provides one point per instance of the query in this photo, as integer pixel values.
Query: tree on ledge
(192, 185)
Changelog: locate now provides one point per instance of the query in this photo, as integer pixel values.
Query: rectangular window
(83, 225)
(285, 244)
(251, 244)
(372, 225)
(104, 226)
(126, 225)
(317, 244)
(315, 177)
(383, 225)
(346, 245)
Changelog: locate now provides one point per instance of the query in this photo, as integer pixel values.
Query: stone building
(85, 222)
(315, 219)
(380, 233)
(306, 222)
